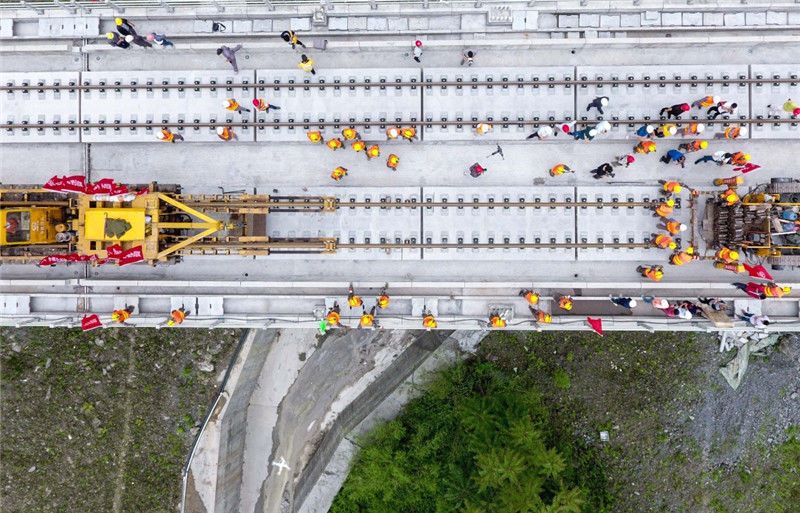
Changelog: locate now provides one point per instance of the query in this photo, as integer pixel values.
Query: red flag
(90, 322)
(758, 271)
(747, 168)
(54, 184)
(76, 183)
(119, 190)
(104, 186)
(131, 256)
(142, 191)
(596, 324)
(114, 251)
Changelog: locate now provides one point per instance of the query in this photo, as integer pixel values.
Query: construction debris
(748, 343)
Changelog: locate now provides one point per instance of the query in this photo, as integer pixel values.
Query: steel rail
(346, 123)
(321, 84)
(496, 245)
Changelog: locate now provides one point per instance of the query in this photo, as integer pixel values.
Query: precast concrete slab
(644, 101)
(503, 104)
(464, 224)
(156, 105)
(775, 94)
(39, 106)
(340, 103)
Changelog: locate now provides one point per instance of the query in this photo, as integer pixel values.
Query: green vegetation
(479, 440)
(102, 420)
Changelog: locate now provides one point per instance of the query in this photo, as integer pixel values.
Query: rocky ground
(680, 439)
(103, 420)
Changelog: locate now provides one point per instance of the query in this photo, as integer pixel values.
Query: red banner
(77, 183)
(747, 167)
(73, 257)
(104, 186)
(758, 271)
(131, 256)
(596, 324)
(90, 322)
(115, 252)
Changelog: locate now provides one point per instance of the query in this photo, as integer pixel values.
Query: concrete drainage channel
(295, 397)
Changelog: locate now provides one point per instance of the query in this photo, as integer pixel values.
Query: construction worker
(693, 129)
(373, 151)
(645, 147)
(530, 296)
(772, 289)
(392, 161)
(664, 208)
(495, 321)
(665, 131)
(428, 322)
(565, 303)
(560, 169)
(353, 300)
(306, 64)
(705, 102)
(734, 132)
(263, 106)
(334, 143)
(367, 319)
(359, 146)
(587, 134)
(675, 157)
(739, 158)
(167, 135)
(693, 146)
(232, 105)
(645, 132)
(598, 103)
(671, 186)
(409, 133)
(683, 257)
(675, 110)
(124, 26)
(333, 317)
(350, 134)
(383, 299)
(392, 132)
(730, 197)
(721, 108)
(664, 241)
(315, 137)
(339, 173)
(476, 170)
(672, 226)
(177, 316)
(540, 316)
(290, 37)
(482, 128)
(653, 272)
(123, 315)
(728, 256)
(225, 133)
(623, 161)
(790, 106)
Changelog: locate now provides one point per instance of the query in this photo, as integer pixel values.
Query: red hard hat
(255, 102)
(796, 111)
(685, 107)
(418, 43)
(631, 159)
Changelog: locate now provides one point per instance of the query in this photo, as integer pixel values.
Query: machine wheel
(780, 180)
(778, 267)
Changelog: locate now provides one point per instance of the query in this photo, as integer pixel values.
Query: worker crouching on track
(122, 315)
(496, 320)
(358, 146)
(428, 321)
(565, 303)
(727, 255)
(482, 128)
(693, 146)
(392, 161)
(373, 151)
(409, 133)
(225, 133)
(177, 316)
(350, 134)
(664, 208)
(339, 173)
(334, 316)
(232, 105)
(530, 296)
(683, 257)
(392, 132)
(168, 135)
(671, 186)
(353, 300)
(663, 241)
(367, 319)
(672, 226)
(334, 143)
(729, 197)
(540, 316)
(653, 272)
(383, 299)
(560, 169)
(263, 106)
(315, 137)
(645, 147)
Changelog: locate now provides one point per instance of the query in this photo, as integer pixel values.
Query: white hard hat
(660, 303)
(633, 303)
(743, 131)
(715, 99)
(226, 103)
(672, 130)
(220, 130)
(683, 227)
(649, 129)
(604, 101)
(592, 132)
(545, 130)
(129, 39)
(684, 313)
(161, 135)
(700, 127)
(603, 126)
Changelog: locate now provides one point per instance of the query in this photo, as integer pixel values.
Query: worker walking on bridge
(672, 226)
(530, 296)
(115, 39)
(261, 105)
(653, 272)
(353, 300)
(705, 102)
(722, 108)
(675, 110)
(602, 171)
(225, 133)
(482, 128)
(645, 147)
(587, 134)
(315, 137)
(392, 132)
(560, 169)
(428, 321)
(409, 133)
(671, 186)
(358, 146)
(624, 302)
(125, 27)
(693, 129)
(233, 105)
(334, 316)
(542, 133)
(664, 208)
(339, 173)
(392, 161)
(496, 320)
(663, 241)
(624, 160)
(598, 103)
(789, 106)
(373, 152)
(122, 315)
(350, 134)
(665, 131)
(367, 319)
(540, 316)
(565, 303)
(645, 132)
(177, 316)
(683, 257)
(383, 299)
(306, 64)
(230, 55)
(733, 132)
(334, 143)
(168, 135)
(290, 37)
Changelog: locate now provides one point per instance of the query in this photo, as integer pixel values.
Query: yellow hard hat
(110, 35)
(690, 250)
(118, 21)
(704, 144)
(734, 255)
(746, 156)
(671, 203)
(672, 245)
(548, 318)
(678, 188)
(169, 322)
(786, 290)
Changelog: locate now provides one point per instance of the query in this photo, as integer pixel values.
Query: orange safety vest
(232, 104)
(738, 158)
(383, 301)
(773, 291)
(261, 105)
(664, 210)
(732, 132)
(349, 133)
(646, 147)
(557, 170)
(354, 301)
(543, 317)
(393, 161)
(306, 66)
(565, 303)
(366, 319)
(730, 196)
(226, 134)
(654, 274)
(695, 145)
(725, 255)
(662, 241)
(178, 316)
(708, 101)
(359, 145)
(674, 227)
(671, 185)
(482, 128)
(334, 144)
(120, 315)
(333, 318)
(429, 322)
(373, 151)
(392, 132)
(682, 258)
(497, 322)
(532, 298)
(691, 129)
(409, 133)
(314, 137)
(168, 136)
(339, 173)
